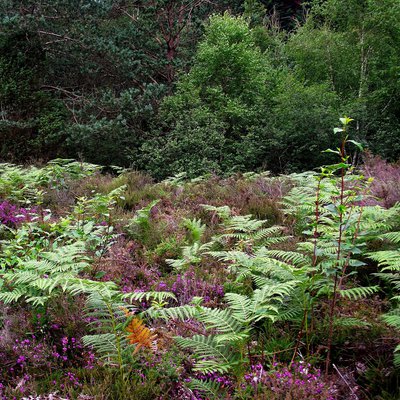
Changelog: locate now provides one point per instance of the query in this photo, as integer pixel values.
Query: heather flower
(21, 360)
(90, 360)
(188, 285)
(12, 215)
(385, 187)
(73, 379)
(299, 381)
(224, 380)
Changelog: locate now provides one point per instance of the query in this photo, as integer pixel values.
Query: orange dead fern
(140, 335)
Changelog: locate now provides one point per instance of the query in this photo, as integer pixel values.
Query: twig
(345, 381)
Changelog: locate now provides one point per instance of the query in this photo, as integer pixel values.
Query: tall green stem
(339, 250)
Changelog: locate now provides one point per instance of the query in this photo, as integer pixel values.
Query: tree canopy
(197, 86)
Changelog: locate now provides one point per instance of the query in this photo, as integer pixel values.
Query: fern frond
(106, 346)
(392, 319)
(359, 292)
(37, 300)
(289, 257)
(232, 338)
(240, 306)
(220, 320)
(261, 281)
(224, 212)
(35, 280)
(290, 314)
(393, 237)
(266, 233)
(209, 388)
(276, 291)
(396, 358)
(140, 335)
(195, 228)
(350, 322)
(244, 223)
(190, 255)
(388, 259)
(239, 257)
(77, 286)
(150, 295)
(8, 297)
(180, 313)
(211, 356)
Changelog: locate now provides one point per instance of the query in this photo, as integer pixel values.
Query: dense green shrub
(218, 107)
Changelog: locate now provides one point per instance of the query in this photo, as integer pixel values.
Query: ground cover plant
(248, 287)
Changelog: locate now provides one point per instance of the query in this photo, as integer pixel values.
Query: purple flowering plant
(298, 381)
(12, 215)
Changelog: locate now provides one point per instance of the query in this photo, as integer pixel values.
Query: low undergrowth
(248, 287)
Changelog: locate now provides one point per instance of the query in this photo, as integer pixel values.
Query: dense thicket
(163, 87)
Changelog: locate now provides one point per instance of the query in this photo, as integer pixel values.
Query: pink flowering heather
(300, 381)
(187, 286)
(385, 188)
(12, 215)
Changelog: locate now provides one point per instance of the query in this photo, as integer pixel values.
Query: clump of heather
(224, 381)
(2, 388)
(40, 355)
(124, 265)
(385, 187)
(188, 285)
(296, 382)
(12, 215)
(139, 277)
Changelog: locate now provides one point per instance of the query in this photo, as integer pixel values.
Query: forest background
(197, 86)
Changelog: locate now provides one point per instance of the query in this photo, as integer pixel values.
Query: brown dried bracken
(140, 335)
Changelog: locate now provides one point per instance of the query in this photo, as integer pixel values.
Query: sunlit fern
(223, 349)
(27, 185)
(35, 281)
(195, 229)
(191, 254)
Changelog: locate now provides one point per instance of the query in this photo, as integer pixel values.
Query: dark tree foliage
(148, 83)
(105, 66)
(23, 104)
(354, 47)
